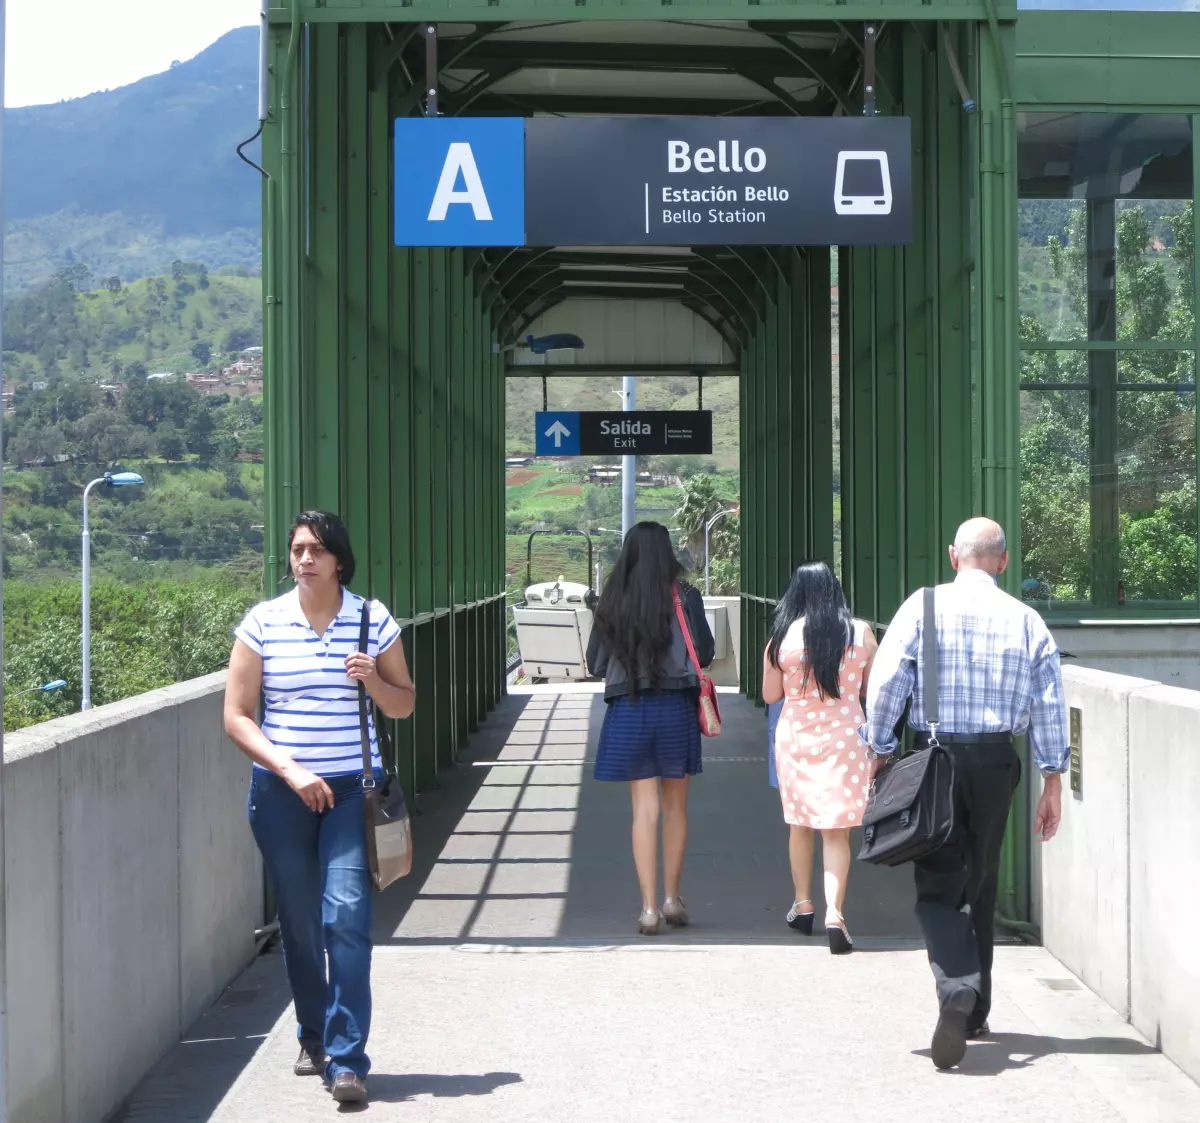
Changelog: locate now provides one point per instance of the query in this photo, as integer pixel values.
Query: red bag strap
(687, 633)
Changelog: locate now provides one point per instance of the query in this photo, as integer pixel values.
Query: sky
(69, 48)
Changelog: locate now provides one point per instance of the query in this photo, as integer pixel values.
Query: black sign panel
(613, 181)
(643, 433)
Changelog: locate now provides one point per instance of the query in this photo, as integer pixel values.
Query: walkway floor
(508, 984)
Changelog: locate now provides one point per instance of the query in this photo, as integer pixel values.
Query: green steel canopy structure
(384, 370)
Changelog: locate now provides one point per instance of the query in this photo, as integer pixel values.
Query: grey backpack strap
(929, 658)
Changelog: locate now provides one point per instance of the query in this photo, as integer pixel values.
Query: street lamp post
(109, 479)
(707, 527)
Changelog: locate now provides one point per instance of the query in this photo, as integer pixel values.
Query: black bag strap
(364, 631)
(929, 659)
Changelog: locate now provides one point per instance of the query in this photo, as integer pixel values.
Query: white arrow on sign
(558, 430)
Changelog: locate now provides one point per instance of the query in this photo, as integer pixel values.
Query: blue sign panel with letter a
(460, 181)
(557, 434)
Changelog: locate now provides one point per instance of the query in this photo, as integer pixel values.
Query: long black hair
(331, 532)
(816, 594)
(636, 608)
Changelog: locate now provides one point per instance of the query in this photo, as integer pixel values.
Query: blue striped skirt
(654, 735)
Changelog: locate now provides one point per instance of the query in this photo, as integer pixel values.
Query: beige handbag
(389, 831)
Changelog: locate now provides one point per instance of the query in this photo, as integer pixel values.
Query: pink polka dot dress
(819, 758)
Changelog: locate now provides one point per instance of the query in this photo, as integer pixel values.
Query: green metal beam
(498, 105)
(540, 11)
(587, 370)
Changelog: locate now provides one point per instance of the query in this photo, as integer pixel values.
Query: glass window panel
(1056, 562)
(1054, 366)
(1104, 195)
(1052, 269)
(1141, 368)
(1104, 155)
(1156, 483)
(1155, 270)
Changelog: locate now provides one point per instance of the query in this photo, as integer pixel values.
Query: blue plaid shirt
(997, 664)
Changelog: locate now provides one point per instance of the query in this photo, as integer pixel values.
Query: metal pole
(628, 463)
(87, 601)
(264, 33)
(431, 69)
(3, 917)
(706, 557)
(707, 527)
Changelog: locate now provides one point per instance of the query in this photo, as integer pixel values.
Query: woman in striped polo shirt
(300, 653)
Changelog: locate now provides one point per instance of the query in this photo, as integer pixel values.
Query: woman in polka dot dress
(817, 663)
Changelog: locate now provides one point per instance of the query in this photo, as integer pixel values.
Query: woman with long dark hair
(817, 663)
(651, 732)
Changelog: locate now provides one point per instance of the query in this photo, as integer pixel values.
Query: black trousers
(956, 885)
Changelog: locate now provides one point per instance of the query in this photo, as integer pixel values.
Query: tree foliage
(143, 637)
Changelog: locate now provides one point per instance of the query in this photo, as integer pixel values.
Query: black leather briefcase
(910, 812)
(911, 809)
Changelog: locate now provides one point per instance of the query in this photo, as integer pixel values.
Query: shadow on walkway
(388, 1088)
(521, 845)
(999, 1052)
(190, 1081)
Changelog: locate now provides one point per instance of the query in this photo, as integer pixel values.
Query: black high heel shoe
(839, 939)
(800, 921)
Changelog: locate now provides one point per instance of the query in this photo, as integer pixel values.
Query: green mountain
(176, 323)
(129, 180)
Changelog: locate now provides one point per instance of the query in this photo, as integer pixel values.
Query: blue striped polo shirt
(310, 703)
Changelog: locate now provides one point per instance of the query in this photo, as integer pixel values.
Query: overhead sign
(635, 433)
(627, 181)
(718, 181)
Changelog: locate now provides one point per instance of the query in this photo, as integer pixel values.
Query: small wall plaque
(1077, 751)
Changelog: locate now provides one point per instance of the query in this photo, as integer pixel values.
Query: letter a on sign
(460, 160)
(460, 181)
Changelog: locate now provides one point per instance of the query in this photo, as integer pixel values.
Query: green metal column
(905, 347)
(383, 398)
(818, 403)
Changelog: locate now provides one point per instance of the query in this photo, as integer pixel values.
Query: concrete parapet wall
(1163, 650)
(133, 888)
(1116, 905)
(1164, 847)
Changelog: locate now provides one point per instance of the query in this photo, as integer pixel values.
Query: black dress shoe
(348, 1088)
(950, 1034)
(311, 1061)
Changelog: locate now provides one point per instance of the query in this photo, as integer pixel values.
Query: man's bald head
(980, 544)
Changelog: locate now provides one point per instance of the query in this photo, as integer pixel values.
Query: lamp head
(57, 684)
(122, 479)
(560, 341)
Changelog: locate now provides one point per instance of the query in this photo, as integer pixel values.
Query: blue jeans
(317, 863)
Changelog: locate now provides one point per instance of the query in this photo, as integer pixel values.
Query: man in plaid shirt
(999, 675)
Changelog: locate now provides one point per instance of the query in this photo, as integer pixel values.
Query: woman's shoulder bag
(710, 712)
(910, 812)
(389, 832)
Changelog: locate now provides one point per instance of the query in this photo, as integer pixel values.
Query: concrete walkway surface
(508, 985)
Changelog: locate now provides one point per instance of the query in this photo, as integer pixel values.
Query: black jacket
(678, 673)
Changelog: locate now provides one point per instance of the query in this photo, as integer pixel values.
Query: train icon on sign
(867, 189)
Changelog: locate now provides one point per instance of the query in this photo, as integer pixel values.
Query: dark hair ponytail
(815, 594)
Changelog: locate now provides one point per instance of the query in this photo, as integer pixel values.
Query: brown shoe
(348, 1088)
(311, 1061)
